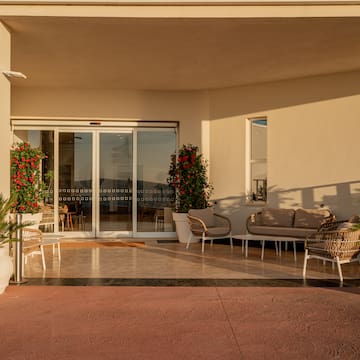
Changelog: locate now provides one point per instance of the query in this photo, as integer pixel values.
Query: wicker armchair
(208, 226)
(337, 242)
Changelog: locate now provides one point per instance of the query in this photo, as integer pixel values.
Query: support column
(5, 135)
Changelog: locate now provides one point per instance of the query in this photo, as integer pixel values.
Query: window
(256, 178)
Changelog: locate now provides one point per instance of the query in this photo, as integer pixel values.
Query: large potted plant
(8, 229)
(26, 181)
(189, 182)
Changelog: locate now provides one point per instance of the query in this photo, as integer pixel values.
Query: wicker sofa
(298, 223)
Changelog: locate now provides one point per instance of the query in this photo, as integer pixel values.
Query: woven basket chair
(332, 244)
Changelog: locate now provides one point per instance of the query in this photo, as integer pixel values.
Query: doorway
(108, 182)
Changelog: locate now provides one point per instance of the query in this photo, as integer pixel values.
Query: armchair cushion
(206, 215)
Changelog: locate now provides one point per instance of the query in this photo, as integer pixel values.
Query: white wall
(188, 108)
(312, 143)
(4, 111)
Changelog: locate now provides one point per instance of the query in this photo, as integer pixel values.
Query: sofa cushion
(354, 219)
(278, 217)
(345, 225)
(206, 215)
(300, 233)
(310, 218)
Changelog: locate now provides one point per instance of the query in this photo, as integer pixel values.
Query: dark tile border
(189, 282)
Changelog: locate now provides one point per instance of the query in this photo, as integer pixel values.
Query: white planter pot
(34, 218)
(183, 229)
(6, 268)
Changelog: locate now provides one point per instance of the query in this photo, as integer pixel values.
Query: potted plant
(7, 229)
(26, 181)
(189, 182)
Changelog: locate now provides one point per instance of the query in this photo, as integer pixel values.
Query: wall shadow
(344, 201)
(281, 94)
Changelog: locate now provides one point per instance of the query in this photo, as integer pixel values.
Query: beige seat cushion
(278, 217)
(218, 231)
(300, 233)
(206, 215)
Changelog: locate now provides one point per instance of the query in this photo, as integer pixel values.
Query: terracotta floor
(218, 305)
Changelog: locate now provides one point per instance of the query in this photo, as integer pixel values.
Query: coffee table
(263, 238)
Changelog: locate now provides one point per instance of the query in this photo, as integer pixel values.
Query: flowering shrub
(26, 184)
(187, 176)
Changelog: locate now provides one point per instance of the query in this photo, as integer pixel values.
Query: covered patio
(167, 263)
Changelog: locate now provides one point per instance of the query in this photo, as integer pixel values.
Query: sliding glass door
(107, 183)
(115, 183)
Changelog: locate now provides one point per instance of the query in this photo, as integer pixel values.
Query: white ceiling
(179, 54)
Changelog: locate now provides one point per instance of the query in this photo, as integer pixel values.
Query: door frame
(94, 126)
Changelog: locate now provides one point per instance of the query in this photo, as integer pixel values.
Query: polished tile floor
(170, 261)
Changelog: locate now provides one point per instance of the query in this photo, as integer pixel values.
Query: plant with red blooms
(26, 185)
(188, 179)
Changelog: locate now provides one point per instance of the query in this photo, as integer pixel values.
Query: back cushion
(206, 215)
(310, 218)
(354, 219)
(278, 217)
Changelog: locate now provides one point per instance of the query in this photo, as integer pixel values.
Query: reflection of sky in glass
(115, 156)
(82, 156)
(262, 122)
(154, 151)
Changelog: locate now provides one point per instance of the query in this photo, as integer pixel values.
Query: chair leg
(339, 269)
(305, 262)
(43, 257)
(231, 242)
(59, 251)
(188, 242)
(203, 243)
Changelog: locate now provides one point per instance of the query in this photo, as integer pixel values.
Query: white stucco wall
(312, 143)
(190, 108)
(4, 111)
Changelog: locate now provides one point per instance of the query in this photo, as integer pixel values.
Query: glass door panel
(75, 181)
(115, 181)
(154, 206)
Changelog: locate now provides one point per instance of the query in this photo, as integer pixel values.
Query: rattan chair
(337, 242)
(207, 225)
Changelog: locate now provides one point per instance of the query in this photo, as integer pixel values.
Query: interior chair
(47, 221)
(337, 242)
(207, 225)
(159, 219)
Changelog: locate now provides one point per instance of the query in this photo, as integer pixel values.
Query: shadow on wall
(275, 95)
(342, 198)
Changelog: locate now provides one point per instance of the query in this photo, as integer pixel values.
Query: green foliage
(355, 226)
(26, 184)
(7, 227)
(188, 179)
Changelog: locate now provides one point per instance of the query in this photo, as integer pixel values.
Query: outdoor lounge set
(324, 237)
